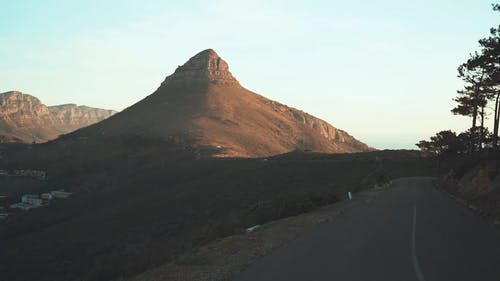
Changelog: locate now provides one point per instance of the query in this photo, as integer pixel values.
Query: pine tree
(473, 99)
(489, 61)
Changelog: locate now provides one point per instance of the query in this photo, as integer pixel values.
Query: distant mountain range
(202, 105)
(24, 118)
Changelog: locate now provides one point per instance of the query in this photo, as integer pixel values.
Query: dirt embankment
(478, 186)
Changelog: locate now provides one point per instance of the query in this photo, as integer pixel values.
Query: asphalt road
(411, 233)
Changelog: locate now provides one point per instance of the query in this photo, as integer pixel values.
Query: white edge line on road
(416, 266)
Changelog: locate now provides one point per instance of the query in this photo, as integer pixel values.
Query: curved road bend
(412, 233)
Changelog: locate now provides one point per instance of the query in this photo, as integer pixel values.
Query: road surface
(411, 233)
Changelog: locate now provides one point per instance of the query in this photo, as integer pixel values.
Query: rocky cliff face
(25, 118)
(74, 116)
(326, 130)
(204, 67)
(21, 108)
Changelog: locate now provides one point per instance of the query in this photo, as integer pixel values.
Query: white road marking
(416, 266)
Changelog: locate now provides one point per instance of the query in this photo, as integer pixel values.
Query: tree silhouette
(489, 61)
(481, 74)
(473, 98)
(444, 142)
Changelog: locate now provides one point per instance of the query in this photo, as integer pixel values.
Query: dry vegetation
(135, 211)
(474, 180)
(224, 258)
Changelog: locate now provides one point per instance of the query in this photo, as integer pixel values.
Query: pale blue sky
(385, 71)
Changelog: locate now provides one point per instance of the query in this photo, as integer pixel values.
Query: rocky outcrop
(23, 109)
(204, 67)
(24, 118)
(477, 185)
(328, 131)
(75, 117)
(322, 127)
(480, 180)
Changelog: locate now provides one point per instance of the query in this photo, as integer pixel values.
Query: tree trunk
(473, 129)
(481, 129)
(496, 120)
(474, 118)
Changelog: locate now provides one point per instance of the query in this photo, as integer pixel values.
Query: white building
(46, 196)
(22, 206)
(31, 199)
(60, 194)
(41, 175)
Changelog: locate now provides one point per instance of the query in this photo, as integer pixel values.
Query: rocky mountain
(202, 105)
(24, 118)
(77, 116)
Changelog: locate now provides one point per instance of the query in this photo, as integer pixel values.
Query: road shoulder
(222, 259)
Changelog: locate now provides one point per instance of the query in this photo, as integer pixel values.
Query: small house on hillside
(46, 196)
(23, 206)
(60, 194)
(41, 175)
(31, 199)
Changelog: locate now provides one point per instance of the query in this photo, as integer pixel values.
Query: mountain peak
(17, 97)
(206, 66)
